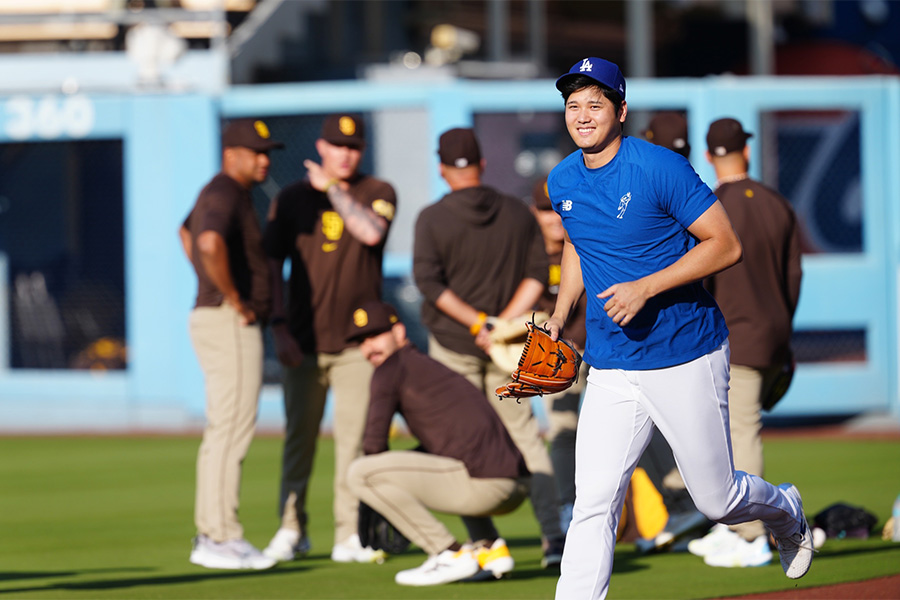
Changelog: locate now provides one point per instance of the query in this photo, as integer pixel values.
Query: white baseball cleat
(742, 554)
(286, 545)
(446, 567)
(796, 550)
(230, 554)
(495, 558)
(351, 550)
(719, 539)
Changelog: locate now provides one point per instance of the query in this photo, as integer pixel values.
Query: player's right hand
(286, 348)
(248, 317)
(554, 326)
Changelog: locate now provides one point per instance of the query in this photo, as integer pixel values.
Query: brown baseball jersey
(480, 244)
(447, 415)
(332, 273)
(224, 206)
(759, 295)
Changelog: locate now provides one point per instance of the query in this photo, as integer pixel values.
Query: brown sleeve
(219, 214)
(794, 268)
(382, 406)
(428, 270)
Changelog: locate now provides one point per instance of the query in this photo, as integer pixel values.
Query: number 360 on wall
(48, 117)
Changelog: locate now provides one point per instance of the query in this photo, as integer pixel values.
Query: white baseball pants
(688, 403)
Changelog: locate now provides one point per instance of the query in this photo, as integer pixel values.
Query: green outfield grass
(111, 517)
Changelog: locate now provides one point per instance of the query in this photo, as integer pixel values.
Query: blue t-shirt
(628, 219)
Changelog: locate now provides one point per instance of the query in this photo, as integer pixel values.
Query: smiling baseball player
(642, 231)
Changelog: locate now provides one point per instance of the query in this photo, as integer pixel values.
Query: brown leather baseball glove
(545, 367)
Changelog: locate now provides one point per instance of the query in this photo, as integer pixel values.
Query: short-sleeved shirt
(447, 414)
(332, 273)
(574, 331)
(480, 244)
(759, 295)
(226, 207)
(628, 219)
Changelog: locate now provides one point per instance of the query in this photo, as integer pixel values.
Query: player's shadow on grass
(829, 554)
(625, 562)
(113, 584)
(16, 575)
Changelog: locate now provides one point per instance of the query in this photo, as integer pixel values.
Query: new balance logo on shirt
(565, 205)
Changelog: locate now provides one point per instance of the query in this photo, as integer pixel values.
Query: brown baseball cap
(669, 130)
(249, 133)
(540, 196)
(372, 318)
(344, 129)
(459, 148)
(726, 135)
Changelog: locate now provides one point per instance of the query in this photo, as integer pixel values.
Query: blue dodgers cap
(602, 71)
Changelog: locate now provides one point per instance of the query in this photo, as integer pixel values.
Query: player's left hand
(626, 299)
(483, 339)
(317, 177)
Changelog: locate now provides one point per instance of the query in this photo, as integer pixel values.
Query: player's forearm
(214, 258)
(707, 258)
(571, 284)
(361, 221)
(524, 299)
(457, 309)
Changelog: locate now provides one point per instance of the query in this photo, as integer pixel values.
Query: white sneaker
(495, 558)
(286, 545)
(351, 550)
(742, 554)
(719, 539)
(442, 568)
(796, 550)
(231, 554)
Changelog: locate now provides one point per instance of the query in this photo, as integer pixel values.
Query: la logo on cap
(360, 317)
(586, 66)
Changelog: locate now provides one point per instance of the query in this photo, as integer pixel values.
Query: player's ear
(624, 112)
(399, 332)
(708, 156)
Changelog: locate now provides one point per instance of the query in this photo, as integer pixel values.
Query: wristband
(476, 326)
(331, 183)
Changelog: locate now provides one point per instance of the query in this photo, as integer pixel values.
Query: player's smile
(592, 120)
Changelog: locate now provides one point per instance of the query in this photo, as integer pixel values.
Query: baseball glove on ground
(545, 367)
(378, 533)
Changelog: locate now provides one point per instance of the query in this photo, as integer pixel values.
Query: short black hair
(574, 83)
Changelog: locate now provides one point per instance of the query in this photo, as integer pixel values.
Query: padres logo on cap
(261, 129)
(360, 317)
(347, 126)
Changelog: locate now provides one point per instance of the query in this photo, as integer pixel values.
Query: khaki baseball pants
(522, 426)
(744, 411)
(348, 375)
(230, 355)
(405, 486)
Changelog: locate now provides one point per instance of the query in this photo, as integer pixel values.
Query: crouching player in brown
(466, 463)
